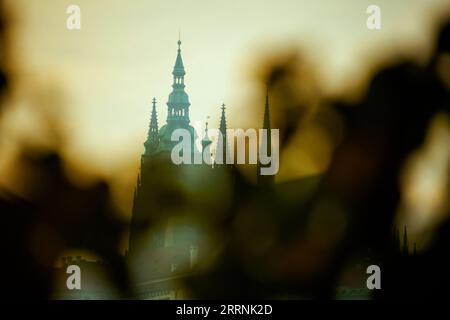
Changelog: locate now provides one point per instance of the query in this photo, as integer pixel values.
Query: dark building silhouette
(168, 207)
(270, 242)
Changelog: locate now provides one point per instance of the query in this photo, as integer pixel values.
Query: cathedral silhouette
(176, 201)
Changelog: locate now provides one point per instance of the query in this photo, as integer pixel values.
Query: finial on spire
(223, 106)
(154, 102)
(179, 39)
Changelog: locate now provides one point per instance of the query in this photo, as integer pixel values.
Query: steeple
(223, 122)
(178, 69)
(265, 180)
(206, 141)
(178, 104)
(152, 139)
(222, 143)
(177, 110)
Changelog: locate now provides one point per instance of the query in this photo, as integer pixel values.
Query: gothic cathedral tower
(177, 110)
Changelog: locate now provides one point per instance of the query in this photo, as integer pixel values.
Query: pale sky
(108, 72)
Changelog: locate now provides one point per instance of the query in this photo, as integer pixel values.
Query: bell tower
(178, 104)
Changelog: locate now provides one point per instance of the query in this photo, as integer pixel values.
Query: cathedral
(173, 205)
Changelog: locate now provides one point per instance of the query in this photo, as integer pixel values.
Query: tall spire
(152, 139)
(222, 144)
(223, 122)
(154, 118)
(178, 104)
(178, 69)
(265, 180)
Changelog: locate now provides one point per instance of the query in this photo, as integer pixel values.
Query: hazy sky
(123, 56)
